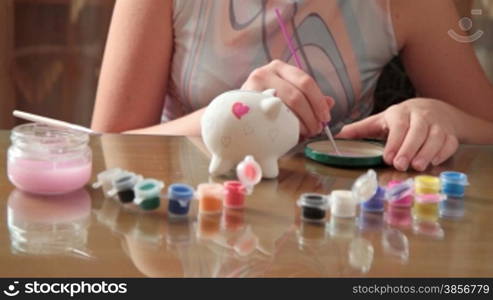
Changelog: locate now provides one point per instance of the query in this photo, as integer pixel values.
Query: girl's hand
(297, 90)
(418, 132)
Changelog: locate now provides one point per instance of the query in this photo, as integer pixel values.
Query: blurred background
(51, 53)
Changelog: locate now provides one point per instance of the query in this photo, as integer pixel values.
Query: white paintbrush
(51, 122)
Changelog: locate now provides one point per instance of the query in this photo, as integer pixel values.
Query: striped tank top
(342, 44)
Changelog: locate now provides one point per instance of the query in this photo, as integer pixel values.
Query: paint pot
(375, 203)
(370, 221)
(211, 197)
(426, 185)
(249, 173)
(342, 204)
(365, 187)
(123, 186)
(361, 254)
(453, 183)
(313, 207)
(426, 207)
(105, 180)
(234, 194)
(341, 227)
(179, 197)
(400, 193)
(398, 216)
(48, 160)
(148, 194)
(395, 243)
(452, 208)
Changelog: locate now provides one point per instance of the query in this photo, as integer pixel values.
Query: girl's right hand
(297, 90)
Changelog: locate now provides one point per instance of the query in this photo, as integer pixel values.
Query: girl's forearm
(473, 130)
(188, 125)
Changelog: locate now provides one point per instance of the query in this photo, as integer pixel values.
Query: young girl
(166, 60)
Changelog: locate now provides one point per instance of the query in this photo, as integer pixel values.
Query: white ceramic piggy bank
(240, 123)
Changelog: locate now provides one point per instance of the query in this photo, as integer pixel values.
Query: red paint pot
(235, 193)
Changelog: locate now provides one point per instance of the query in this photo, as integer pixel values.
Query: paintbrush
(51, 122)
(298, 64)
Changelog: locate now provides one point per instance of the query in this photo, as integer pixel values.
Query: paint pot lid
(427, 181)
(365, 187)
(454, 177)
(106, 176)
(210, 189)
(126, 180)
(340, 199)
(430, 198)
(313, 200)
(180, 191)
(235, 187)
(147, 188)
(396, 190)
(249, 171)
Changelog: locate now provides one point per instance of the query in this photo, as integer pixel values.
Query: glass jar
(48, 160)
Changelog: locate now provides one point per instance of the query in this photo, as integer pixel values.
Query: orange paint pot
(210, 196)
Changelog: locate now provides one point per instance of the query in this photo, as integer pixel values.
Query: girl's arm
(423, 131)
(439, 66)
(135, 72)
(134, 75)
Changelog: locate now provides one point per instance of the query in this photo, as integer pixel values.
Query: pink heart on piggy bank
(240, 109)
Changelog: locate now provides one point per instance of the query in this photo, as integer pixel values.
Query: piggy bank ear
(271, 107)
(270, 92)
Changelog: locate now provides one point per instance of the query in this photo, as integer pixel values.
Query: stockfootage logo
(11, 290)
(465, 24)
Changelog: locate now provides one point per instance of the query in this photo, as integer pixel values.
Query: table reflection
(395, 243)
(49, 225)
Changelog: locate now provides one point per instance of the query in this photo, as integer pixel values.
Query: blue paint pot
(179, 197)
(453, 183)
(375, 203)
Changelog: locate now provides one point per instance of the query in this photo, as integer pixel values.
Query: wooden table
(88, 235)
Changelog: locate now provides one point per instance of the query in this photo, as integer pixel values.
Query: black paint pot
(313, 207)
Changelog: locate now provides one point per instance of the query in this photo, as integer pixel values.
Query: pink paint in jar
(48, 160)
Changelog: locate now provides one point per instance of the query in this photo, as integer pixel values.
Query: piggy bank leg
(270, 168)
(219, 166)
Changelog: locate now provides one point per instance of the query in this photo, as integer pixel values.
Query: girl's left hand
(418, 131)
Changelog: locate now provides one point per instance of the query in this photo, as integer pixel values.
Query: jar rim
(47, 136)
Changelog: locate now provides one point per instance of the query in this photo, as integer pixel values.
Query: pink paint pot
(48, 160)
(400, 193)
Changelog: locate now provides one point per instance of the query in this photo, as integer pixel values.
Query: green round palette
(355, 154)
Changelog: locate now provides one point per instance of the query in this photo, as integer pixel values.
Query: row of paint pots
(427, 193)
(129, 187)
